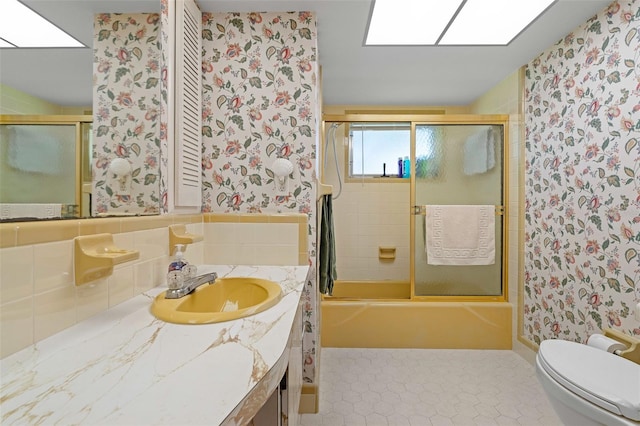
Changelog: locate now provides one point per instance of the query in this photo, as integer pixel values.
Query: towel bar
(422, 210)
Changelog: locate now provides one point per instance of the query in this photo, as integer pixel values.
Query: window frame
(388, 124)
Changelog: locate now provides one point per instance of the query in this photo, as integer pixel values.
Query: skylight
(22, 27)
(451, 22)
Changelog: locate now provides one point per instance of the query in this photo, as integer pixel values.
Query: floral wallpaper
(260, 104)
(166, 58)
(582, 180)
(126, 105)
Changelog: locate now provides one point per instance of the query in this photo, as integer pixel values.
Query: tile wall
(366, 217)
(38, 295)
(256, 239)
(506, 98)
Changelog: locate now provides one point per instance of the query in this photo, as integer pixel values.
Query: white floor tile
(428, 387)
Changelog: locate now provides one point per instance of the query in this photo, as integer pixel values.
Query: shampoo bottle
(400, 174)
(406, 168)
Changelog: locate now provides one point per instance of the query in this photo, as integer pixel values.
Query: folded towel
(327, 257)
(40, 211)
(460, 235)
(479, 152)
(33, 151)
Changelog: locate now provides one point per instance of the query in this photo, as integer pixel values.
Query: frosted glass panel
(458, 164)
(37, 164)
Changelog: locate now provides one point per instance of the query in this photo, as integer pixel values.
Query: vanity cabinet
(281, 409)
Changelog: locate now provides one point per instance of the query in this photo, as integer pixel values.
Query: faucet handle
(190, 284)
(175, 279)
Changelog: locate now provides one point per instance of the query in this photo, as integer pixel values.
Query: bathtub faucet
(190, 285)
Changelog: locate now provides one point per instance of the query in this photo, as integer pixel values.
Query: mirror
(45, 166)
(118, 75)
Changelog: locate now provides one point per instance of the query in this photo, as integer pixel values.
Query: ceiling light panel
(22, 27)
(5, 44)
(492, 22)
(409, 22)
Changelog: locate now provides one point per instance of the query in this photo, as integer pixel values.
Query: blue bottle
(406, 168)
(400, 174)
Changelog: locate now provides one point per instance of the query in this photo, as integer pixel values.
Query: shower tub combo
(439, 306)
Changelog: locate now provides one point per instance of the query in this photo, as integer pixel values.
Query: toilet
(589, 386)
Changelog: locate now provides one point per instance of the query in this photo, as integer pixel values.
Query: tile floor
(423, 387)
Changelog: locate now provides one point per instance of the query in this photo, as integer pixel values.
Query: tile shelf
(96, 255)
(178, 235)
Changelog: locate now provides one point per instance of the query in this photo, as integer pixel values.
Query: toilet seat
(604, 379)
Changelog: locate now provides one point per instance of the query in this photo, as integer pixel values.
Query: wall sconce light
(282, 168)
(121, 173)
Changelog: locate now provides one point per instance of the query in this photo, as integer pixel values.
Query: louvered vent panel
(188, 104)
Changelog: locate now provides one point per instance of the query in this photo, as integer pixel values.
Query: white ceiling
(351, 73)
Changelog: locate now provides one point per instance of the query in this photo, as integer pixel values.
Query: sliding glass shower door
(456, 164)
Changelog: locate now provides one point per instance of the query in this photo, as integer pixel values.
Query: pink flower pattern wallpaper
(260, 104)
(165, 60)
(582, 180)
(126, 109)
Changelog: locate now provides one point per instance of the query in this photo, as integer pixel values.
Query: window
(374, 145)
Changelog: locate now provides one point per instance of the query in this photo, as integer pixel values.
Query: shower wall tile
(367, 216)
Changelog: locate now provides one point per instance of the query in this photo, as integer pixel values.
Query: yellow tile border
(255, 218)
(141, 223)
(14, 234)
(8, 235)
(99, 226)
(220, 218)
(46, 231)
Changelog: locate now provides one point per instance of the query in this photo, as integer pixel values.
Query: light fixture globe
(121, 173)
(281, 169)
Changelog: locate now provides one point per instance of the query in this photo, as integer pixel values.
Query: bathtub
(383, 315)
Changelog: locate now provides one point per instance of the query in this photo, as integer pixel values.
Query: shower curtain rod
(422, 210)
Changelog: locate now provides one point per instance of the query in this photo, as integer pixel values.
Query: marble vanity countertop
(125, 367)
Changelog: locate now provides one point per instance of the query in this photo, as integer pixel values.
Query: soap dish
(96, 255)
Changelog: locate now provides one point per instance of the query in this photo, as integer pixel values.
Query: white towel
(32, 150)
(41, 211)
(479, 152)
(460, 235)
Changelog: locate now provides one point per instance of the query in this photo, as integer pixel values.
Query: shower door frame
(464, 119)
(443, 119)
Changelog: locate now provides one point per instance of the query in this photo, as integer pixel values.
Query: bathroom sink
(226, 299)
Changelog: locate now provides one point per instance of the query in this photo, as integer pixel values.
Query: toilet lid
(607, 380)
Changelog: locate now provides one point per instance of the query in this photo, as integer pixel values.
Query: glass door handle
(418, 210)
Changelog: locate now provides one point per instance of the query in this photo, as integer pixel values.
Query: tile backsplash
(38, 295)
(250, 239)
